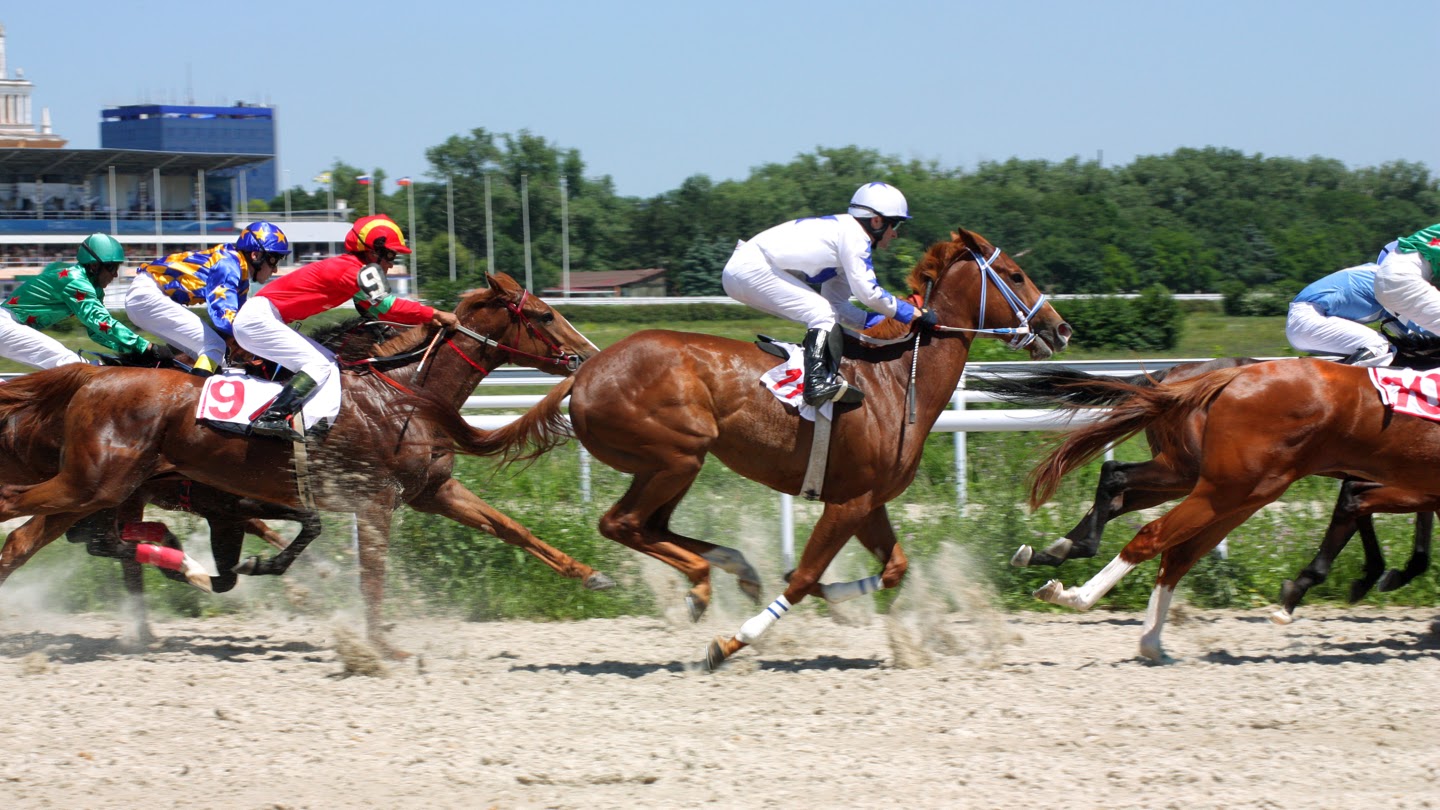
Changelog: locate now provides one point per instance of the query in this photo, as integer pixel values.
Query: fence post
(787, 530)
(962, 457)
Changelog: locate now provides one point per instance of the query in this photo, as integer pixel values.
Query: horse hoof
(1389, 581)
(1022, 556)
(199, 579)
(1155, 655)
(751, 588)
(598, 582)
(715, 654)
(1049, 592)
(1282, 616)
(247, 566)
(223, 583)
(1061, 548)
(697, 607)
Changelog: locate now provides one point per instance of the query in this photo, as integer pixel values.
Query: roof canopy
(27, 164)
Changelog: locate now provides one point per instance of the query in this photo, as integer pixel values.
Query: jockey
(219, 278)
(356, 275)
(1329, 317)
(777, 271)
(1404, 276)
(63, 290)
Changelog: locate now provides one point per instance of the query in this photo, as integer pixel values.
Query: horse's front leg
(878, 536)
(310, 528)
(836, 525)
(373, 531)
(29, 538)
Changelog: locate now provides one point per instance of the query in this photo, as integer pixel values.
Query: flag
(323, 178)
(404, 181)
(363, 179)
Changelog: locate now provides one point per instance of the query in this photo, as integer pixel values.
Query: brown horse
(30, 453)
(657, 403)
(125, 427)
(1265, 427)
(1125, 487)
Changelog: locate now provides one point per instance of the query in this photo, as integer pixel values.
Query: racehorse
(656, 403)
(128, 426)
(30, 452)
(1266, 426)
(1125, 487)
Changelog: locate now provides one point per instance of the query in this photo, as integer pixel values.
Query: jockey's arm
(859, 271)
(89, 309)
(222, 296)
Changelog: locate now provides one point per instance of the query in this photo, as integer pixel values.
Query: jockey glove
(927, 320)
(157, 353)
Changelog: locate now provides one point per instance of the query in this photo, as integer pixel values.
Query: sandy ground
(853, 709)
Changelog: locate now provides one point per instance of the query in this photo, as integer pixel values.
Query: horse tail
(1138, 406)
(1066, 388)
(41, 394)
(538, 430)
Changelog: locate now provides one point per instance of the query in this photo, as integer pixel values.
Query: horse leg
(452, 500)
(630, 522)
(310, 527)
(1175, 562)
(30, 537)
(836, 525)
(729, 560)
(1419, 556)
(1344, 522)
(258, 528)
(1123, 487)
(877, 535)
(373, 529)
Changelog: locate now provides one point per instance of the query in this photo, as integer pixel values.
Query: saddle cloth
(1407, 391)
(234, 398)
(787, 382)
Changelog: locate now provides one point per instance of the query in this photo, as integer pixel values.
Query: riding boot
(204, 367)
(823, 382)
(278, 419)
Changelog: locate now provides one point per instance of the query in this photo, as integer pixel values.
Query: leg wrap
(843, 591)
(757, 625)
(172, 559)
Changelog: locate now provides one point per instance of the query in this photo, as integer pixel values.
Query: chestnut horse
(1265, 427)
(1125, 487)
(30, 453)
(656, 403)
(126, 426)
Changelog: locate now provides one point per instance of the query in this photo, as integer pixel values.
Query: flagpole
(525, 212)
(450, 216)
(489, 230)
(371, 186)
(414, 265)
(565, 234)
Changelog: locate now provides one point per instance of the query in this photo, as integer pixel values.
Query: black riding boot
(278, 419)
(823, 382)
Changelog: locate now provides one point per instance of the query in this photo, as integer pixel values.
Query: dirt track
(1337, 710)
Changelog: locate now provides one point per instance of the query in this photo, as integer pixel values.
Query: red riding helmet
(373, 233)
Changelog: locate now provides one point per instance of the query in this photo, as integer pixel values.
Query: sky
(651, 93)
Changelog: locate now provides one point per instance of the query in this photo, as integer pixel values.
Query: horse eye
(1017, 278)
(548, 317)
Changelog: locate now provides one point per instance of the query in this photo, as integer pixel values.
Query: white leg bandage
(842, 591)
(1155, 622)
(1085, 596)
(758, 624)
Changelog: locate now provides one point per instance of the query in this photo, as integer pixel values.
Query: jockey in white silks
(778, 271)
(1404, 276)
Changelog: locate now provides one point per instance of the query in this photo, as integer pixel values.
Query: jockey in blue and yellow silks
(219, 278)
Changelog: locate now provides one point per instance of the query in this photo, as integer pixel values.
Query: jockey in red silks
(159, 298)
(65, 290)
(357, 275)
(778, 271)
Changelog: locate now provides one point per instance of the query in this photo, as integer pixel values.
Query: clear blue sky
(653, 92)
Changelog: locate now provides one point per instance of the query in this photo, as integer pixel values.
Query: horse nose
(1063, 332)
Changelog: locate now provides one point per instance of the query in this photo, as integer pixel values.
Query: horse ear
(954, 237)
(494, 283)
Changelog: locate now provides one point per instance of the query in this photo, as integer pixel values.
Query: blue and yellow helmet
(262, 236)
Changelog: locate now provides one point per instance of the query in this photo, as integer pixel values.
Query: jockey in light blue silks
(778, 271)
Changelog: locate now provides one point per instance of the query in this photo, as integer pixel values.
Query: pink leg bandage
(171, 559)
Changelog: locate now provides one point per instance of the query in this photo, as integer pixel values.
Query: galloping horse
(1265, 427)
(128, 426)
(30, 451)
(656, 403)
(1125, 487)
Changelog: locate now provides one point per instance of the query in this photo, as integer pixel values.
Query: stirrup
(280, 427)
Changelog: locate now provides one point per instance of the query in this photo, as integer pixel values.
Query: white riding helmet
(879, 199)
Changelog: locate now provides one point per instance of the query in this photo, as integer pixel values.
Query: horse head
(977, 288)
(522, 325)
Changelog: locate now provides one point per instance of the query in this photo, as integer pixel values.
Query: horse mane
(937, 257)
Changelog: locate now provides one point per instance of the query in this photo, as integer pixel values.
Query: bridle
(1020, 336)
(559, 357)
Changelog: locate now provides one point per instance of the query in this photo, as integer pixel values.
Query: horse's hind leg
(631, 522)
(1419, 560)
(30, 537)
(1345, 520)
(310, 528)
(452, 500)
(728, 559)
(1123, 487)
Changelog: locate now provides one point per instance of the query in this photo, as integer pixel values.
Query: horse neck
(446, 373)
(938, 370)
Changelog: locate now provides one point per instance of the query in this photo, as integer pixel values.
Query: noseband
(559, 357)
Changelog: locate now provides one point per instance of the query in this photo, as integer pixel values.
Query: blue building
(241, 129)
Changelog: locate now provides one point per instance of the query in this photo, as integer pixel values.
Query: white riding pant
(28, 345)
(155, 312)
(1402, 285)
(260, 330)
(1310, 330)
(750, 279)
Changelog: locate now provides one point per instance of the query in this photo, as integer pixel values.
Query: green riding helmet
(100, 248)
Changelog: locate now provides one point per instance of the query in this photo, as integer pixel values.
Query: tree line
(1195, 220)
